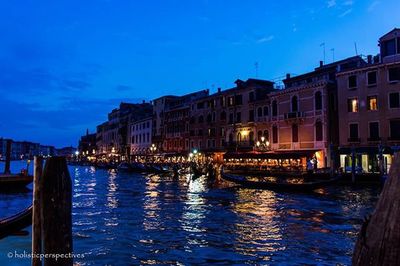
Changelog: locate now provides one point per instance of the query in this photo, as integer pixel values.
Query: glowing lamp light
(77, 153)
(267, 143)
(262, 138)
(190, 155)
(258, 144)
(194, 151)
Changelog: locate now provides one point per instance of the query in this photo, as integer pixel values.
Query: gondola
(157, 169)
(124, 167)
(10, 181)
(295, 184)
(16, 222)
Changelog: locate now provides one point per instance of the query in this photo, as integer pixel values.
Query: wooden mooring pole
(36, 223)
(8, 157)
(56, 206)
(378, 242)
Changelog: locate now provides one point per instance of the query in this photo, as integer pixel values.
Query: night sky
(65, 64)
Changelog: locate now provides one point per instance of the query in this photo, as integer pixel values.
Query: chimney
(321, 63)
(369, 59)
(219, 90)
(376, 59)
(288, 76)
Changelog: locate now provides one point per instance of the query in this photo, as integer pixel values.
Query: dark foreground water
(129, 219)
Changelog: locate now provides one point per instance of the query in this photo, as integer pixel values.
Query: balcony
(294, 116)
(374, 139)
(354, 140)
(262, 119)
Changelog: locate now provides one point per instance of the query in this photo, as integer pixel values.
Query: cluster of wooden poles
(52, 206)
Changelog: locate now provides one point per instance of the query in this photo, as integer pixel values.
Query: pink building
(369, 109)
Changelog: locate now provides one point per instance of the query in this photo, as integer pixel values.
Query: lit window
(230, 101)
(372, 103)
(352, 105)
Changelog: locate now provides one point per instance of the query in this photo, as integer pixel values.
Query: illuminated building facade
(112, 135)
(140, 136)
(176, 122)
(369, 109)
(226, 120)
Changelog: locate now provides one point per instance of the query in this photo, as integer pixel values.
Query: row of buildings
(26, 150)
(339, 112)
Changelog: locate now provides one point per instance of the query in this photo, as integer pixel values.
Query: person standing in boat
(309, 166)
(315, 163)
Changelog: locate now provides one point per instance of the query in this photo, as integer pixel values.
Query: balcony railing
(293, 115)
(354, 139)
(374, 139)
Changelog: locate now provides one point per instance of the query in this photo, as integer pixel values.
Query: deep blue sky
(65, 64)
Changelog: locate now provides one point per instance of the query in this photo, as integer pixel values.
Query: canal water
(131, 219)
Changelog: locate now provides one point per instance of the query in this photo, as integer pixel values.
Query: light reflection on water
(122, 219)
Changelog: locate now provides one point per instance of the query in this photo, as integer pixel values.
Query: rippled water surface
(122, 219)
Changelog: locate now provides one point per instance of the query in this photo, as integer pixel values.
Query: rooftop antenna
(355, 47)
(256, 67)
(323, 45)
(333, 54)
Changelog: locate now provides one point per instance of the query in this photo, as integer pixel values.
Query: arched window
(318, 100)
(259, 135)
(295, 106)
(239, 137)
(259, 112)
(274, 108)
(266, 111)
(295, 133)
(201, 119)
(251, 136)
(223, 115)
(318, 131)
(266, 135)
(274, 134)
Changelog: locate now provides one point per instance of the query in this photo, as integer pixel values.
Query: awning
(369, 150)
(270, 155)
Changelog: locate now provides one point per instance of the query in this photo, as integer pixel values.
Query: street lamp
(262, 145)
(153, 148)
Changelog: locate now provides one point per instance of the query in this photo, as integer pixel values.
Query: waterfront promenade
(148, 219)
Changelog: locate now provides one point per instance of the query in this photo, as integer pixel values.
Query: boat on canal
(137, 167)
(16, 222)
(277, 183)
(14, 181)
